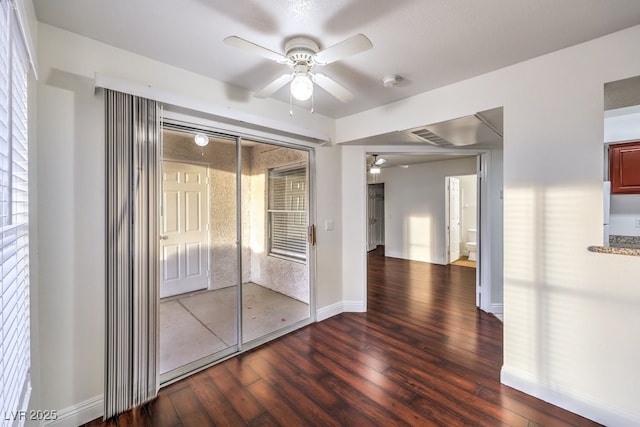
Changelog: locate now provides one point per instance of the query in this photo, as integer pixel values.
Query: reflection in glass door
(199, 263)
(206, 274)
(275, 249)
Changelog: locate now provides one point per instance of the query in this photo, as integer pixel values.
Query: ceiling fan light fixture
(374, 170)
(201, 139)
(301, 87)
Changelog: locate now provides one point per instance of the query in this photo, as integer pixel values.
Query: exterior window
(14, 219)
(287, 212)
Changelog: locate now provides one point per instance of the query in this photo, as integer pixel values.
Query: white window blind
(287, 212)
(14, 226)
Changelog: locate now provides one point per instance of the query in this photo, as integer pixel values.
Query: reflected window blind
(15, 385)
(287, 212)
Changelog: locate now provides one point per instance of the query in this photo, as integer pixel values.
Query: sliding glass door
(234, 245)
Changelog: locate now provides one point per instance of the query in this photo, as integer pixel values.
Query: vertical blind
(132, 156)
(287, 212)
(15, 362)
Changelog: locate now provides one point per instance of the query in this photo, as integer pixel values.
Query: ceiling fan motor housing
(301, 50)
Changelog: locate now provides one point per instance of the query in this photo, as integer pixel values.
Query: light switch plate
(328, 225)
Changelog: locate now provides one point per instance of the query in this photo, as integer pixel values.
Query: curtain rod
(164, 96)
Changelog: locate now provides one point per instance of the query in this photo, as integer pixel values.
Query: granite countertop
(621, 245)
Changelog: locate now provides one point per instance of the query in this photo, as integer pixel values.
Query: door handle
(164, 237)
(312, 234)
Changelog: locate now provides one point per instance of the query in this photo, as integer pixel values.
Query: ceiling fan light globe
(301, 87)
(374, 170)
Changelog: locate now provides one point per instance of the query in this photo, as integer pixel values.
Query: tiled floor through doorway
(464, 262)
(196, 325)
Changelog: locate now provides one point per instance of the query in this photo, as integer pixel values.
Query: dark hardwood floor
(422, 355)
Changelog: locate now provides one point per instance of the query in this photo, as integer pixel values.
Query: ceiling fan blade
(254, 48)
(351, 46)
(330, 85)
(273, 87)
(380, 161)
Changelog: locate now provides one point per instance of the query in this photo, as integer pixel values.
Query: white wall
(328, 209)
(354, 240)
(622, 124)
(415, 210)
(568, 312)
(624, 213)
(69, 194)
(492, 239)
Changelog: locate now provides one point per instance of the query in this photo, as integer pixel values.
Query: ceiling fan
(374, 167)
(302, 55)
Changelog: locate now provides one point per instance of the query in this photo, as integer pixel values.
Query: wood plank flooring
(422, 355)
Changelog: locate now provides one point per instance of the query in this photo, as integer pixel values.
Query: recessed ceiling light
(201, 139)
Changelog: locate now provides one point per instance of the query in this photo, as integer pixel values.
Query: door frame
(447, 217)
(194, 123)
(484, 249)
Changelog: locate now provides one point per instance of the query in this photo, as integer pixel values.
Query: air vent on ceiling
(426, 135)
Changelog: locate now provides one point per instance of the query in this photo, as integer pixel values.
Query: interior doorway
(236, 257)
(461, 204)
(375, 216)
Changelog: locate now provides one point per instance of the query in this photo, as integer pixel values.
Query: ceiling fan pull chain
(290, 104)
(312, 103)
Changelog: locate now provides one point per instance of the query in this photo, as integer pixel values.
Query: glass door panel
(275, 249)
(199, 259)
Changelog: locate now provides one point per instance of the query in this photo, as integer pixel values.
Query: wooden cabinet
(624, 168)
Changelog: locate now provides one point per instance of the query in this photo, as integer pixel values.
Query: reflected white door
(184, 244)
(453, 186)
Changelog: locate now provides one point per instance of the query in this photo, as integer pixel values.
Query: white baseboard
(354, 306)
(566, 399)
(497, 310)
(329, 311)
(340, 307)
(80, 413)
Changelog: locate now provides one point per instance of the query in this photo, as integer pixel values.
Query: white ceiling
(429, 43)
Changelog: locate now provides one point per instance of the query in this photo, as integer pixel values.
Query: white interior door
(184, 244)
(453, 187)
